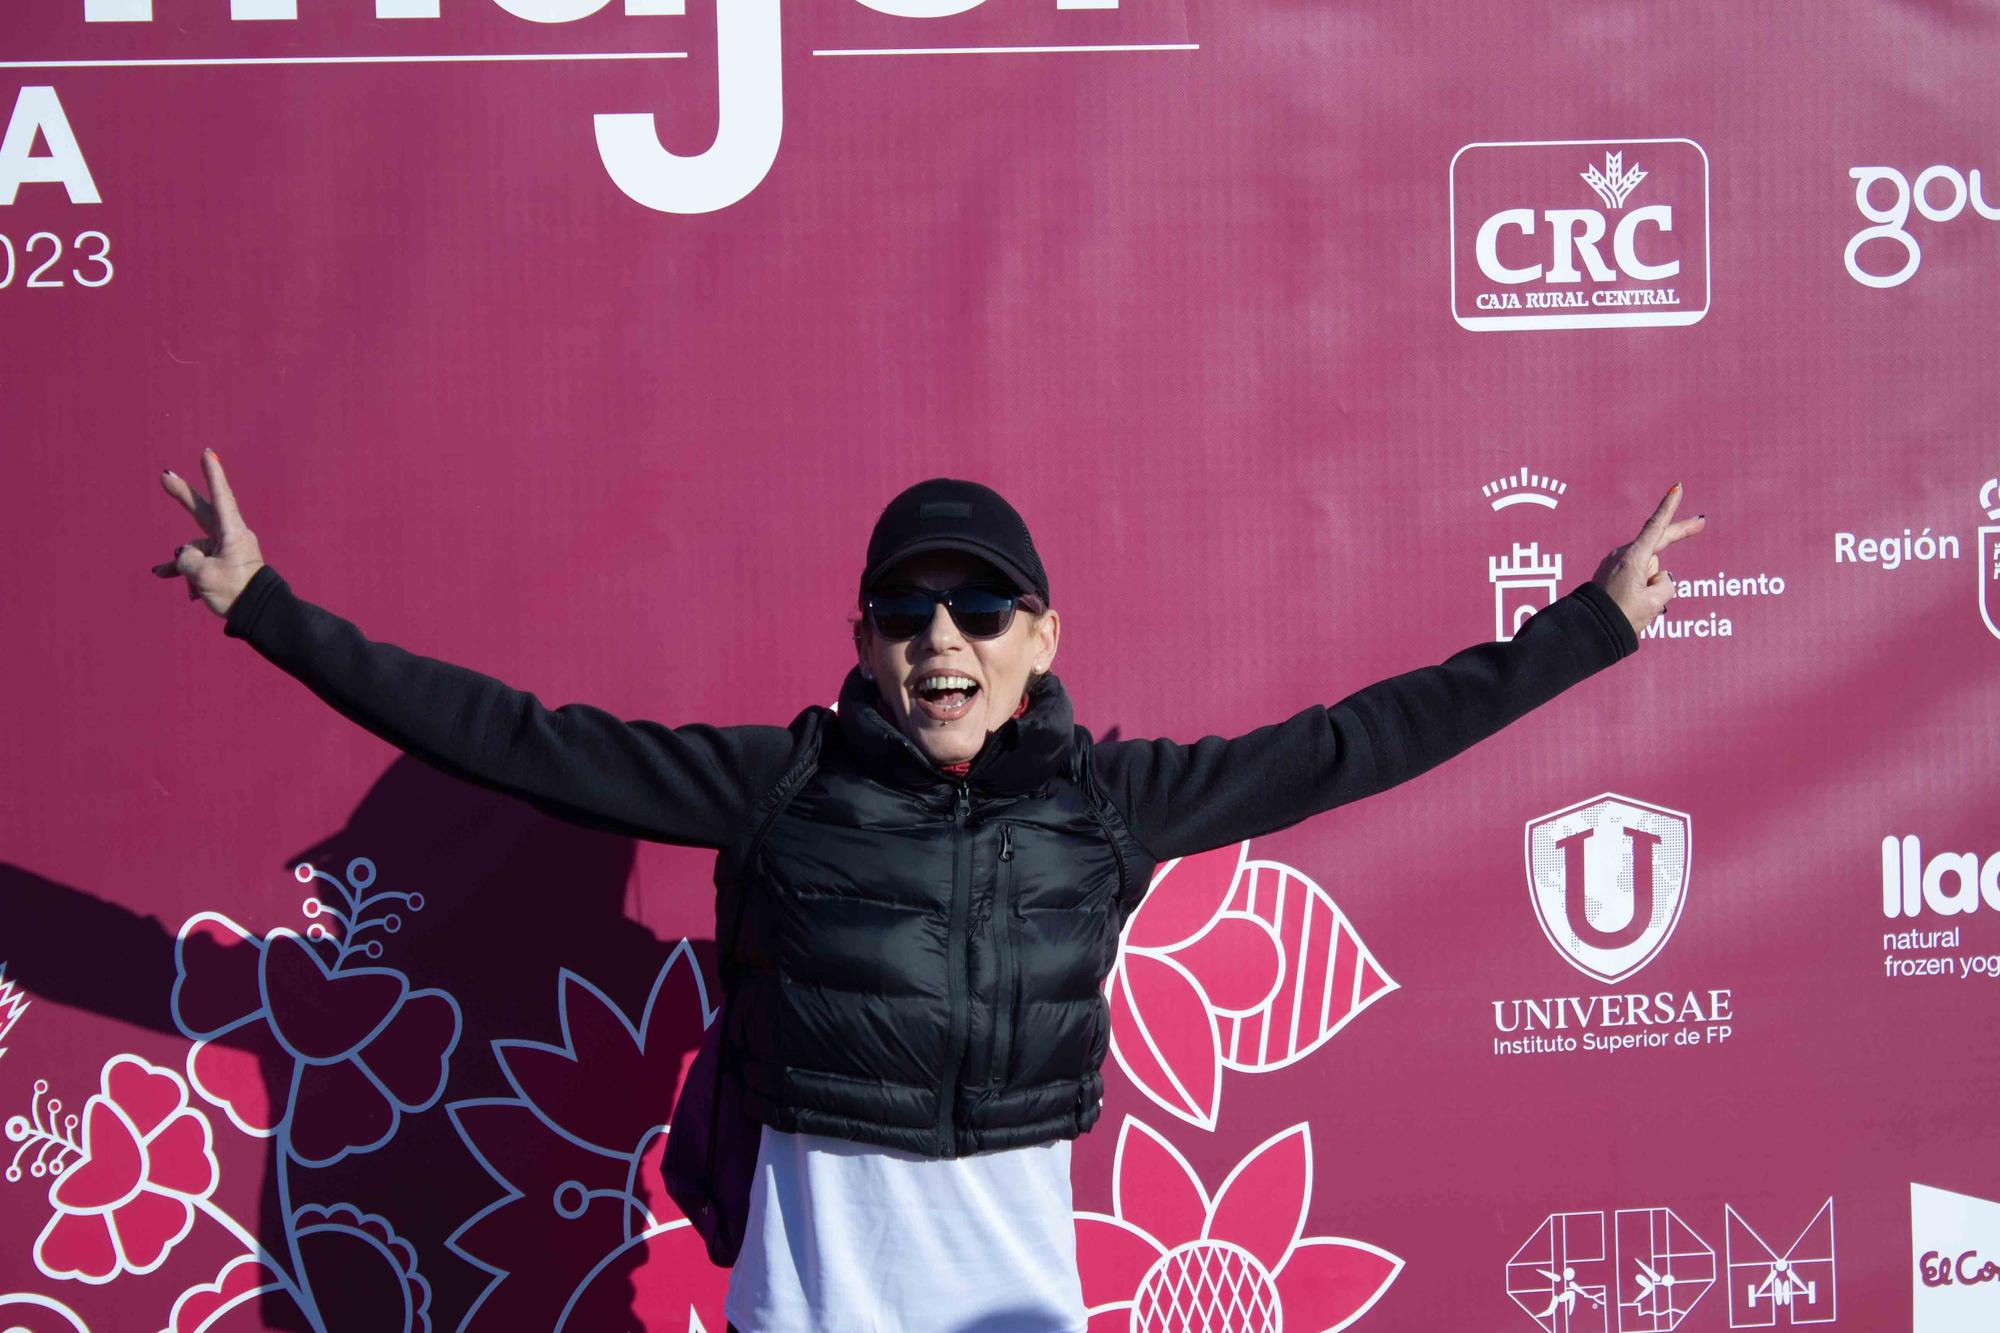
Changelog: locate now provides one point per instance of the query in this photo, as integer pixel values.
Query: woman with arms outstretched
(920, 894)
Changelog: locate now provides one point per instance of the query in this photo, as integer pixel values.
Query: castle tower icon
(1523, 583)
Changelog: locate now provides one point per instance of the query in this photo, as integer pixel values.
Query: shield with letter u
(1608, 878)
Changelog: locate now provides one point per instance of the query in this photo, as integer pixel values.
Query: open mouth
(945, 698)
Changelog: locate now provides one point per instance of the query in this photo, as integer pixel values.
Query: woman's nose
(943, 631)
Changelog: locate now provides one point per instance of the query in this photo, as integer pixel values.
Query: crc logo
(1608, 879)
(1579, 234)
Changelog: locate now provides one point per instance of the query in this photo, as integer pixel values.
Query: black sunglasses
(980, 611)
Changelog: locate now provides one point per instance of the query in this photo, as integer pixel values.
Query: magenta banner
(580, 342)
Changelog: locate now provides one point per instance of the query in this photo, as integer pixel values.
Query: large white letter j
(750, 121)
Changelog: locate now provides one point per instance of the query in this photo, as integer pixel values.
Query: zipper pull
(964, 802)
(1006, 842)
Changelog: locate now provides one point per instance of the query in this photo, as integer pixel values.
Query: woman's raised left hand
(1632, 573)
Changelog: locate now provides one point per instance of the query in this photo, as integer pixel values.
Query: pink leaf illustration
(216, 964)
(147, 1096)
(1328, 975)
(1155, 1190)
(228, 1304)
(78, 1245)
(322, 1014)
(364, 1275)
(335, 1109)
(247, 1074)
(148, 1227)
(411, 1054)
(1184, 896)
(1112, 1255)
(1262, 1204)
(1327, 1283)
(577, 1239)
(1238, 961)
(573, 1084)
(1172, 1258)
(1164, 1036)
(113, 1167)
(179, 1156)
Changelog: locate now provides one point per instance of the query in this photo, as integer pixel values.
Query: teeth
(946, 683)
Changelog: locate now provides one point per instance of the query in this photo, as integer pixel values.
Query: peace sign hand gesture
(1632, 573)
(217, 566)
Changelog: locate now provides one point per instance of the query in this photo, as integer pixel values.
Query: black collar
(1021, 755)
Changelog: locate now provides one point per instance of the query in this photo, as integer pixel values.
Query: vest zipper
(961, 889)
(1003, 994)
(1100, 1020)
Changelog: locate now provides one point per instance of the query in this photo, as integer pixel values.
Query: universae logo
(1608, 878)
(1579, 234)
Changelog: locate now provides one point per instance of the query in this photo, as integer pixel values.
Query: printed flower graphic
(1231, 962)
(1171, 1258)
(368, 1279)
(351, 1048)
(145, 1160)
(585, 1232)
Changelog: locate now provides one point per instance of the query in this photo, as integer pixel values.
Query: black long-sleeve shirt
(695, 783)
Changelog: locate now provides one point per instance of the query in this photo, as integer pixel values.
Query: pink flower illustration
(347, 1050)
(369, 1279)
(585, 1232)
(145, 1159)
(1231, 962)
(230, 1304)
(1171, 1258)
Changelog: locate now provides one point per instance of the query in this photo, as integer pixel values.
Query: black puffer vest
(916, 960)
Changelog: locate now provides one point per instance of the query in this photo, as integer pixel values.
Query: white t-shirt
(847, 1237)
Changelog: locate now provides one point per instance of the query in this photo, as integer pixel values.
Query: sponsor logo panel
(1527, 576)
(1884, 197)
(1895, 553)
(1931, 892)
(1579, 234)
(1608, 883)
(1769, 1288)
(1954, 1261)
(1648, 1270)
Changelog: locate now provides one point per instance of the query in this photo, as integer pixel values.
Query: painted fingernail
(166, 472)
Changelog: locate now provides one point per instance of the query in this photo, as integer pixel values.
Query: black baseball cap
(946, 514)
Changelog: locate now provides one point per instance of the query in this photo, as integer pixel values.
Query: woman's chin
(949, 743)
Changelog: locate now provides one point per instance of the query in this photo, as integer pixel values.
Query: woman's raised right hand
(217, 566)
